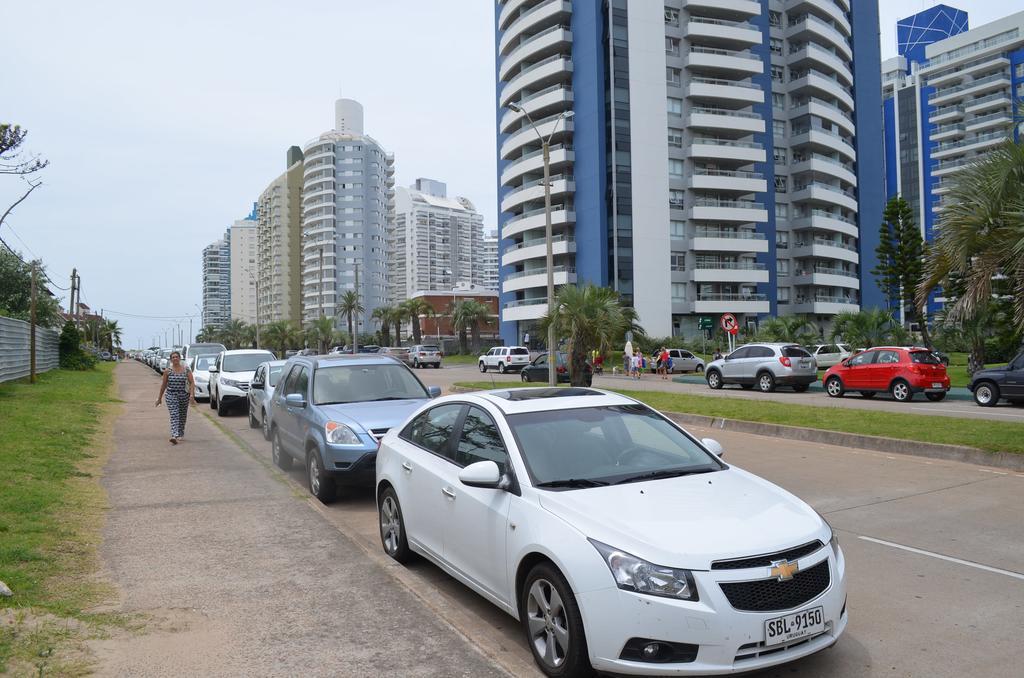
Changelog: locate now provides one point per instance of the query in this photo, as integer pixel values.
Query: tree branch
(31, 187)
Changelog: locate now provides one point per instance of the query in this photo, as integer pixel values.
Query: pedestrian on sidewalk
(179, 388)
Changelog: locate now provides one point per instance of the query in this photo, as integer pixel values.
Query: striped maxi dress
(176, 397)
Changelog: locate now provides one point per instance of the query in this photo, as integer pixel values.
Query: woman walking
(179, 388)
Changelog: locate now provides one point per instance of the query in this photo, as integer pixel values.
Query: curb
(967, 455)
(959, 393)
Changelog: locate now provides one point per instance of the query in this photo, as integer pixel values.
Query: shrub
(72, 357)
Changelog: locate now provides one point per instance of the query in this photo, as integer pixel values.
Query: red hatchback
(900, 371)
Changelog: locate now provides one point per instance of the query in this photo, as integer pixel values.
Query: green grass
(461, 359)
(993, 436)
(52, 448)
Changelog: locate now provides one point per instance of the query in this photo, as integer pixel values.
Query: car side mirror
(713, 446)
(434, 391)
(258, 385)
(484, 474)
(846, 363)
(213, 369)
(294, 400)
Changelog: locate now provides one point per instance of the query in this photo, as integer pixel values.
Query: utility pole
(78, 302)
(71, 304)
(355, 322)
(32, 328)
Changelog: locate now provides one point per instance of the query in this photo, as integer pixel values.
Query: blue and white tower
(721, 156)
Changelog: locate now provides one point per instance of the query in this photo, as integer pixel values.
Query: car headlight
(232, 383)
(636, 574)
(833, 540)
(339, 434)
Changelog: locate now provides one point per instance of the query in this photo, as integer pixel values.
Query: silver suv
(765, 366)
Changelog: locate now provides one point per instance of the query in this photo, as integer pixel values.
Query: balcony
(730, 272)
(825, 305)
(525, 309)
(946, 114)
(825, 221)
(722, 31)
(808, 27)
(816, 191)
(536, 248)
(544, 13)
(987, 103)
(728, 180)
(554, 69)
(554, 126)
(726, 149)
(733, 61)
(826, 249)
(534, 190)
(538, 277)
(970, 89)
(969, 144)
(534, 220)
(731, 303)
(809, 53)
(708, 89)
(727, 240)
(827, 277)
(833, 9)
(749, 7)
(725, 119)
(811, 105)
(539, 104)
(821, 164)
(534, 162)
(714, 209)
(997, 120)
(824, 139)
(551, 40)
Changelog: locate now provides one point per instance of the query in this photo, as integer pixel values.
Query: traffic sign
(705, 323)
(729, 324)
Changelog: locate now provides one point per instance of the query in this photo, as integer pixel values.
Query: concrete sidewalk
(234, 574)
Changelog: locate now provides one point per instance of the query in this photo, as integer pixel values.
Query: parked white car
(200, 366)
(827, 355)
(619, 541)
(504, 359)
(230, 376)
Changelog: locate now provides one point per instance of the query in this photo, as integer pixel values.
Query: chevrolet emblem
(783, 570)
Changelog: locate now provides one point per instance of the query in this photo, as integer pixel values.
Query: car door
(290, 424)
(538, 369)
(884, 369)
(858, 375)
(426, 456)
(1013, 385)
(255, 394)
(732, 366)
(477, 526)
(683, 361)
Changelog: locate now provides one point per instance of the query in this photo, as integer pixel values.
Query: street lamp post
(550, 258)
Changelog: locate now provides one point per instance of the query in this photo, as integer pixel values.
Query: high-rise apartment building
(436, 241)
(721, 156)
(244, 269)
(490, 262)
(347, 209)
(949, 97)
(279, 244)
(217, 282)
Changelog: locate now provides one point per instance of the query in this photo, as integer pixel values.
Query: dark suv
(989, 385)
(330, 412)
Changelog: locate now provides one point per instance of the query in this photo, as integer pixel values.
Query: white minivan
(505, 358)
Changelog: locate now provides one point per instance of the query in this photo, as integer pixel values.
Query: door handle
(448, 492)
(407, 466)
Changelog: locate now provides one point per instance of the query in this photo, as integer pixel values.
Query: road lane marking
(958, 561)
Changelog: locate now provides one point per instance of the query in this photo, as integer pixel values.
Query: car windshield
(362, 383)
(924, 357)
(592, 446)
(518, 351)
(275, 374)
(203, 362)
(245, 362)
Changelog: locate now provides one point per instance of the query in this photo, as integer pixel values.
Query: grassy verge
(461, 359)
(994, 436)
(54, 438)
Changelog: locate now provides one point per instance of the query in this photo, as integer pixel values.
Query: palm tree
(384, 315)
(248, 336)
(233, 334)
(413, 309)
(980, 235)
(281, 335)
(590, 317)
(470, 313)
(321, 332)
(789, 328)
(865, 329)
(111, 334)
(350, 307)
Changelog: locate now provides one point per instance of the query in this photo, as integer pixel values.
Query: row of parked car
(541, 500)
(900, 371)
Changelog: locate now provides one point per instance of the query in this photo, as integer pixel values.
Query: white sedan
(620, 542)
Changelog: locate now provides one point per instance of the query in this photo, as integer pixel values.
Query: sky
(163, 122)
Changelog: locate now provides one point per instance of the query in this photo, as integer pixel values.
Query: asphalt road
(935, 554)
(450, 374)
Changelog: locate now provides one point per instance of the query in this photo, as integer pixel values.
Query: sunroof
(536, 393)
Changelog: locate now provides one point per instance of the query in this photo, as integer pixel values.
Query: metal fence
(14, 349)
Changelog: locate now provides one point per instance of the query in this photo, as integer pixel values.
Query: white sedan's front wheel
(553, 623)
